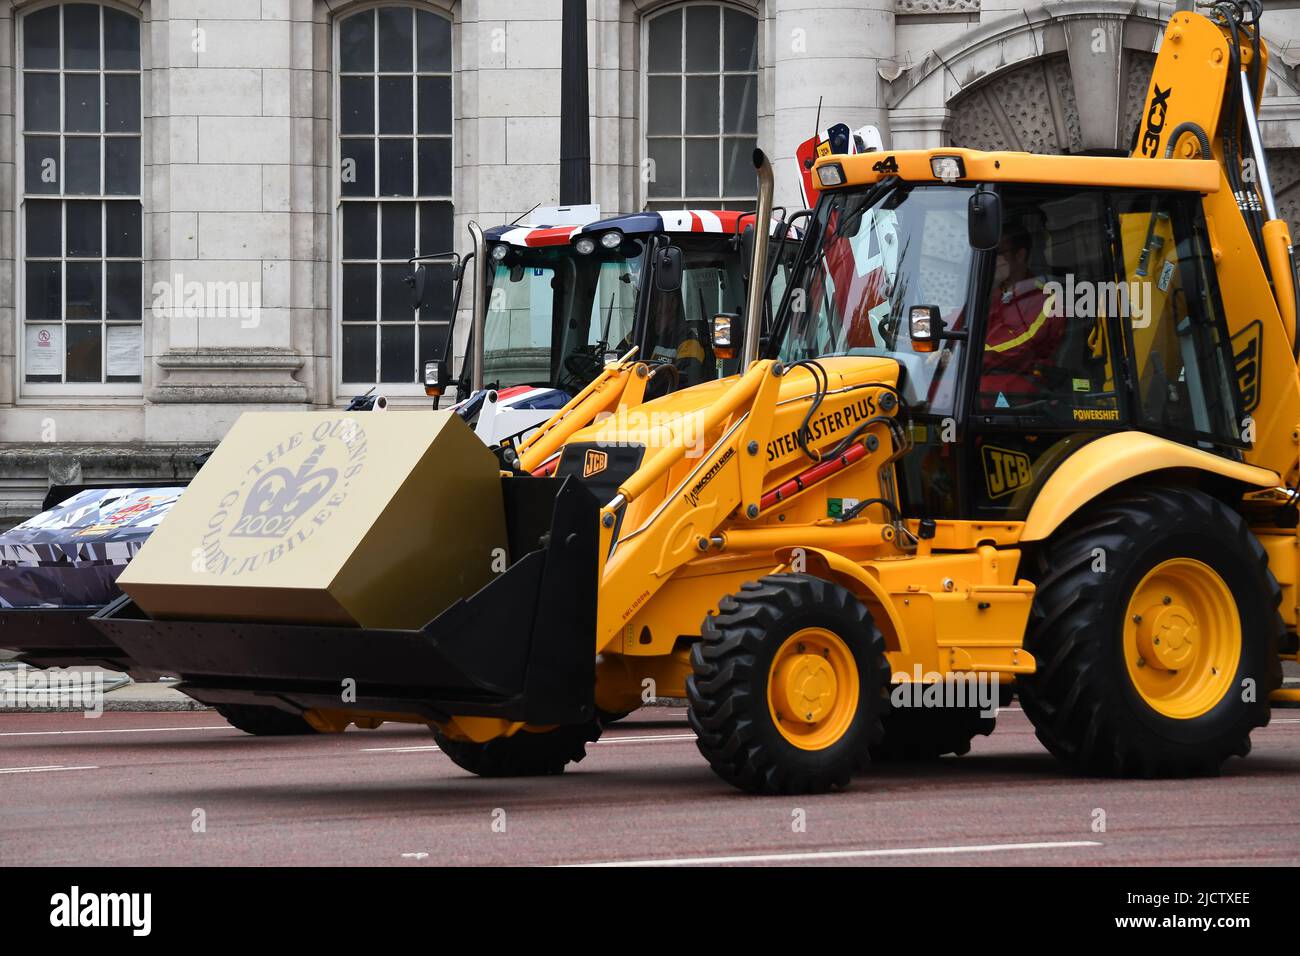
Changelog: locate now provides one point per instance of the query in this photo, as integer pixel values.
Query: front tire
(524, 753)
(1156, 632)
(789, 685)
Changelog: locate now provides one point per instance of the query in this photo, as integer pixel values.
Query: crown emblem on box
(280, 497)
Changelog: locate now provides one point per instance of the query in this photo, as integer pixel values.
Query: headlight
(722, 331)
(585, 246)
(499, 251)
(947, 168)
(431, 373)
(832, 174)
(612, 239)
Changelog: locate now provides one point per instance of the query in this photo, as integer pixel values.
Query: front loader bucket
(62, 637)
(522, 647)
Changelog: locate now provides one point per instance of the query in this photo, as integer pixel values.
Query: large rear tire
(1156, 632)
(790, 682)
(262, 720)
(524, 753)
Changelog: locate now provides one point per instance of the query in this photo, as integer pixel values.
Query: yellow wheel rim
(1182, 638)
(812, 688)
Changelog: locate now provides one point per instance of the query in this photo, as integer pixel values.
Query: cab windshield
(553, 313)
(872, 254)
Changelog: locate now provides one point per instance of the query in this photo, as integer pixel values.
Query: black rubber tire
(727, 691)
(263, 720)
(1083, 705)
(927, 733)
(522, 754)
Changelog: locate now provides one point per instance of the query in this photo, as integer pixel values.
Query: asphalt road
(128, 789)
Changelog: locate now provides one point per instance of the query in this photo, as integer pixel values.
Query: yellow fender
(1102, 464)
(839, 569)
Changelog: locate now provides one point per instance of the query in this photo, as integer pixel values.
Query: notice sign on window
(44, 355)
(124, 349)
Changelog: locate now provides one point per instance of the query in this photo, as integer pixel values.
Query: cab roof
(977, 166)
(725, 222)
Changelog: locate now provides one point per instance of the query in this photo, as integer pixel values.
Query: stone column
(226, 208)
(830, 49)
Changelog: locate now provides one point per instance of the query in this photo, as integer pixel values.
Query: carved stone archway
(1034, 107)
(1041, 81)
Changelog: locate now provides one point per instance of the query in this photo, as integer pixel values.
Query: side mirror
(668, 269)
(726, 325)
(419, 282)
(925, 327)
(984, 220)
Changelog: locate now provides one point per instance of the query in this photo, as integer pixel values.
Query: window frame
(1188, 212)
(343, 389)
(687, 200)
(41, 393)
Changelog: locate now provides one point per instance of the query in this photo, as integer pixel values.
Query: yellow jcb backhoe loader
(1027, 418)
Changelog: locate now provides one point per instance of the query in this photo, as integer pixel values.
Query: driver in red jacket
(1024, 332)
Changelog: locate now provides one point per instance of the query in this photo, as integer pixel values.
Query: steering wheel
(584, 363)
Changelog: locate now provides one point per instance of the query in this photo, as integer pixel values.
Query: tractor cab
(1027, 319)
(563, 301)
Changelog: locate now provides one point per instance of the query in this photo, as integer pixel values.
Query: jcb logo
(1156, 121)
(1006, 471)
(1245, 356)
(594, 463)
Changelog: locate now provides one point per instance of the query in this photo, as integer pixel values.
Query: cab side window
(1182, 375)
(1046, 353)
(680, 322)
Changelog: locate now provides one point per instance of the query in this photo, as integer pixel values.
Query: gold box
(346, 518)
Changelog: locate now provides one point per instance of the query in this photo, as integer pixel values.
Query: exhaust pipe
(758, 265)
(480, 307)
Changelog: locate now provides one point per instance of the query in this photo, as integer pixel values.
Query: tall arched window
(395, 164)
(82, 283)
(701, 106)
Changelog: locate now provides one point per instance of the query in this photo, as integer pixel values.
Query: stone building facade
(205, 205)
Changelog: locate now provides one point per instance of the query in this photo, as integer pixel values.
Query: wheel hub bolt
(1168, 599)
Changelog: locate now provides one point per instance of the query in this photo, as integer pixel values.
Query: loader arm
(620, 384)
(732, 483)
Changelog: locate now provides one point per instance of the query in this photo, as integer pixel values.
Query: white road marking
(41, 769)
(122, 730)
(398, 750)
(842, 854)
